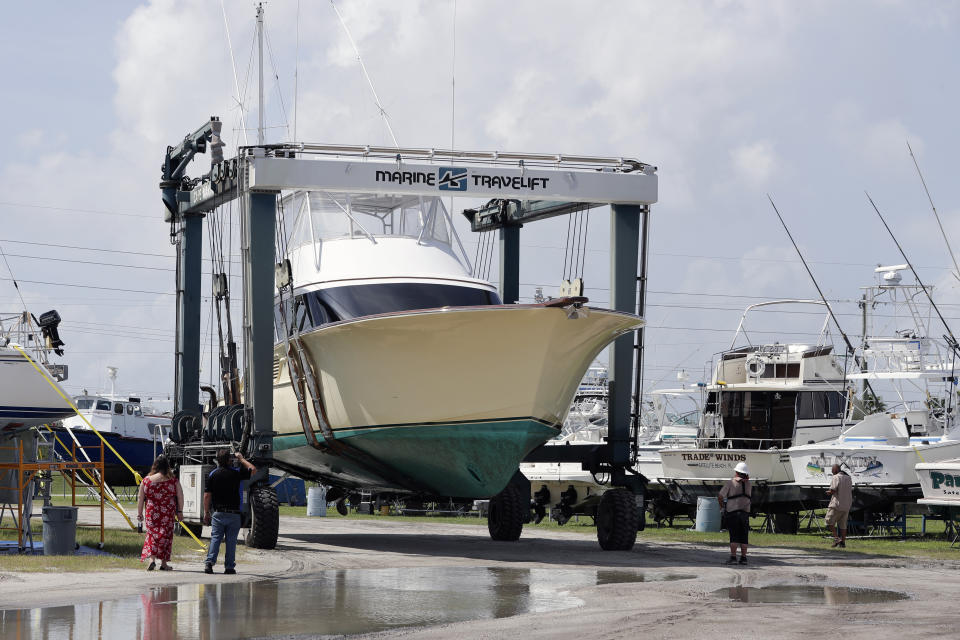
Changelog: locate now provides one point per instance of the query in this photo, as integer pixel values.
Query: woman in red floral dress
(160, 492)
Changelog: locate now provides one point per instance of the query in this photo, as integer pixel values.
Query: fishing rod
(850, 348)
(956, 272)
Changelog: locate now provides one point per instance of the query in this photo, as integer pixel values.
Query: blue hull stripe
(39, 409)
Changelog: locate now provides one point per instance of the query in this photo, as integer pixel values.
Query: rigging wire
(363, 67)
(276, 76)
(233, 65)
(943, 233)
(13, 278)
(296, 74)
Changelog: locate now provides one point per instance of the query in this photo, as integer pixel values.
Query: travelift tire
(506, 515)
(264, 517)
(617, 520)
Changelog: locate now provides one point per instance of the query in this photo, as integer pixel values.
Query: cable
(13, 279)
(75, 210)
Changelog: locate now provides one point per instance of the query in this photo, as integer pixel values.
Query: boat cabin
(774, 396)
(125, 417)
(357, 255)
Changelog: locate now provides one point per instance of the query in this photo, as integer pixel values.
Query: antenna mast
(260, 60)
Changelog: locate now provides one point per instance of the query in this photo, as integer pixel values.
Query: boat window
(371, 299)
(118, 408)
(781, 370)
(820, 405)
(137, 411)
(317, 308)
(85, 403)
(316, 216)
(758, 419)
(129, 409)
(103, 405)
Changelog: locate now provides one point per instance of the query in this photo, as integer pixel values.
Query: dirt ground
(679, 609)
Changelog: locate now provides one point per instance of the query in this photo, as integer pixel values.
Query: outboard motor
(49, 322)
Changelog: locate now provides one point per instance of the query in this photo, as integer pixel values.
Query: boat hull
(770, 466)
(26, 398)
(442, 402)
(880, 466)
(138, 453)
(940, 482)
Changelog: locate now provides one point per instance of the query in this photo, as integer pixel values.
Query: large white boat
(28, 397)
(134, 426)
(419, 379)
(762, 398)
(881, 451)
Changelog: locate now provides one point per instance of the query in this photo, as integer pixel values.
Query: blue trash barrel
(708, 514)
(59, 531)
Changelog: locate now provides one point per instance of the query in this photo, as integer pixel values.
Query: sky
(812, 103)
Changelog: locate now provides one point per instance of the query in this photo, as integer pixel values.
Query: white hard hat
(742, 468)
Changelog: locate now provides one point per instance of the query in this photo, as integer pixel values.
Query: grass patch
(125, 545)
(931, 546)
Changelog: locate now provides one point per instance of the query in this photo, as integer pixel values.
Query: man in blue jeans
(221, 508)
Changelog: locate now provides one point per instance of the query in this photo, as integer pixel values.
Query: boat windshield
(85, 403)
(317, 216)
(317, 308)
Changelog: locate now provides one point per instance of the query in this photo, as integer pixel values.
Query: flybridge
(365, 169)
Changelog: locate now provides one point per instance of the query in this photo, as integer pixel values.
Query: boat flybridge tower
(520, 188)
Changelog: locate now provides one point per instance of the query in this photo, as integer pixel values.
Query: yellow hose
(136, 475)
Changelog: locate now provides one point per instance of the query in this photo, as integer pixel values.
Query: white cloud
(756, 162)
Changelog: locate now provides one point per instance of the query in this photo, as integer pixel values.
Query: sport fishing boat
(762, 398)
(881, 451)
(397, 370)
(29, 398)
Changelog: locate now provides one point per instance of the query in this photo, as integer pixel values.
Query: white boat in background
(940, 482)
(131, 424)
(762, 398)
(419, 379)
(29, 398)
(881, 451)
(671, 421)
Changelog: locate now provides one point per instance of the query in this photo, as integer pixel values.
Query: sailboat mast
(260, 60)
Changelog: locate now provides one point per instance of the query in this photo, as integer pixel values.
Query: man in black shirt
(221, 508)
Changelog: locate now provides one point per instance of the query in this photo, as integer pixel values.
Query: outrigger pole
(846, 339)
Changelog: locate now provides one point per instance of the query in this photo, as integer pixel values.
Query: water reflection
(809, 594)
(334, 602)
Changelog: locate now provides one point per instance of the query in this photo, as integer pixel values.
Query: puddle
(615, 577)
(332, 603)
(809, 594)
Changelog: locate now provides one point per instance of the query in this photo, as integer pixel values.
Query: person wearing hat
(734, 499)
(841, 499)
